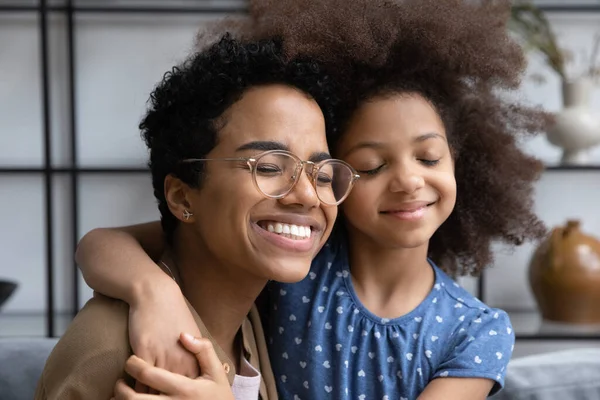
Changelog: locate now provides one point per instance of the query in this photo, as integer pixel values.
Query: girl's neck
(221, 295)
(389, 281)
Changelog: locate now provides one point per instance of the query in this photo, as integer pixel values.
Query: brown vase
(564, 274)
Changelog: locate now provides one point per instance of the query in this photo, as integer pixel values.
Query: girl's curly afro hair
(459, 55)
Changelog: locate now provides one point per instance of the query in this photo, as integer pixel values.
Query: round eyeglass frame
(301, 165)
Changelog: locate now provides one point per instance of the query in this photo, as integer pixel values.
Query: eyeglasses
(276, 172)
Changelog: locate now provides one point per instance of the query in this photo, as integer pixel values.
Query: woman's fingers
(168, 383)
(156, 378)
(209, 363)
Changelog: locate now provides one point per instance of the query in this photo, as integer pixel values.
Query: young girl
(435, 143)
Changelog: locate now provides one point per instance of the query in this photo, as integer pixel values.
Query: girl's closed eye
(429, 162)
(372, 171)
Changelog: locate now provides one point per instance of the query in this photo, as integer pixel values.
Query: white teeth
(294, 230)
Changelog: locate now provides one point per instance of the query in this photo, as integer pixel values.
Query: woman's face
(232, 218)
(407, 188)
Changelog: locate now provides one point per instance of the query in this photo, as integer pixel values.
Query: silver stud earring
(187, 214)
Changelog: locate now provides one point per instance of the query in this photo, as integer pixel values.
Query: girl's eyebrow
(430, 135)
(379, 145)
(365, 145)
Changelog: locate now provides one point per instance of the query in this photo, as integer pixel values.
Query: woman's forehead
(275, 113)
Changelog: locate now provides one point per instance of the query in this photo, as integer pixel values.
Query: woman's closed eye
(268, 169)
(324, 179)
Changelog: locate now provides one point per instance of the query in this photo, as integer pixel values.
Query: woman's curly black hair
(183, 116)
(459, 55)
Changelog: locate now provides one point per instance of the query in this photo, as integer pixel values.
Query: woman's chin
(289, 271)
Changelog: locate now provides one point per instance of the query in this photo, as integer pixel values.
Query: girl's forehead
(397, 115)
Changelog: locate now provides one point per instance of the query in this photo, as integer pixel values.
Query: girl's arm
(475, 364)
(457, 389)
(117, 262)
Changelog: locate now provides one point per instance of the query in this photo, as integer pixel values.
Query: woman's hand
(212, 384)
(156, 318)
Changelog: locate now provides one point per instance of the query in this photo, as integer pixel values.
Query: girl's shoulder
(453, 292)
(468, 312)
(478, 340)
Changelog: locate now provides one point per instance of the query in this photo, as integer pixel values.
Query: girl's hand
(212, 384)
(156, 318)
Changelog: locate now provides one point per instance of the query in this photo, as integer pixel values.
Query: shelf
(572, 8)
(31, 324)
(528, 325)
(232, 7)
(128, 9)
(572, 168)
(72, 170)
(7, 170)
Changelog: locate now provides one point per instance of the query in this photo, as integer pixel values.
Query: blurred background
(74, 80)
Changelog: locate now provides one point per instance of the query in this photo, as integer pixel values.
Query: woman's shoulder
(90, 356)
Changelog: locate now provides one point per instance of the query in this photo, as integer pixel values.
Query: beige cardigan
(90, 357)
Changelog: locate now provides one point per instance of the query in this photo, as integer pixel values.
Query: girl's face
(407, 188)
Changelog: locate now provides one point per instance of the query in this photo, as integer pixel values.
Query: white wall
(560, 195)
(118, 60)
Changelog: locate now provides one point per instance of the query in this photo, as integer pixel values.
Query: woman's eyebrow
(319, 156)
(265, 145)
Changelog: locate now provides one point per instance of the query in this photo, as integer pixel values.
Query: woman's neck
(221, 295)
(389, 281)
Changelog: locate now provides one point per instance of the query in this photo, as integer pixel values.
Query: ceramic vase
(577, 127)
(564, 274)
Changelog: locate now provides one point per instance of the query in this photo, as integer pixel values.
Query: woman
(240, 127)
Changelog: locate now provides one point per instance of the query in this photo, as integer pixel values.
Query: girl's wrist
(152, 285)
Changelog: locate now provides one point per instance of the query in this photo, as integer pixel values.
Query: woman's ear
(178, 196)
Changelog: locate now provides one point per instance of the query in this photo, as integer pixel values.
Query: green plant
(530, 24)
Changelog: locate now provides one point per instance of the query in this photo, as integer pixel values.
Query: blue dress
(324, 343)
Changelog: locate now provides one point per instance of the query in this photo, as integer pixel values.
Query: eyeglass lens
(276, 174)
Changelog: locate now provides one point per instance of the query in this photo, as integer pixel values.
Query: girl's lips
(284, 243)
(413, 215)
(410, 212)
(409, 206)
